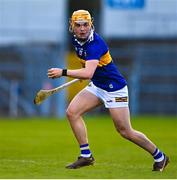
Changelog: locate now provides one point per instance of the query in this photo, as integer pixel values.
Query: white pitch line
(18, 160)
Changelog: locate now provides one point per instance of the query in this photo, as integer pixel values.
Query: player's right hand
(54, 73)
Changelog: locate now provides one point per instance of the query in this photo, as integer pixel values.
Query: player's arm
(83, 73)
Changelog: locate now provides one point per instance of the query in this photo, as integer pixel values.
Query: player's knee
(125, 133)
(71, 113)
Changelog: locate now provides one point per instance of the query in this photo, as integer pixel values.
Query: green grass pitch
(41, 147)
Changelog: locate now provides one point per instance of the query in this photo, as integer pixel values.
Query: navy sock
(85, 150)
(158, 155)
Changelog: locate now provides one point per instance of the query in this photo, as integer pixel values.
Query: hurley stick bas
(44, 94)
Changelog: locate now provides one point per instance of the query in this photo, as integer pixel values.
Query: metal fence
(151, 72)
(23, 71)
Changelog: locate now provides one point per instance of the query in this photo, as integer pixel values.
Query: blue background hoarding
(126, 4)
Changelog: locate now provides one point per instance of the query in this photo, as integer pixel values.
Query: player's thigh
(121, 118)
(83, 102)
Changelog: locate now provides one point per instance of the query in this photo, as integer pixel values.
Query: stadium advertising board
(32, 21)
(139, 18)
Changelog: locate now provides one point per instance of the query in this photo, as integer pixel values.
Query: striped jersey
(106, 76)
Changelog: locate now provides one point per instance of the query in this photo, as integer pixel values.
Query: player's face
(82, 30)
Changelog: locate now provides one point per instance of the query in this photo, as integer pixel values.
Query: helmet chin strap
(82, 41)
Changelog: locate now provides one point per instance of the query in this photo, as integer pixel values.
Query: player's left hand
(54, 73)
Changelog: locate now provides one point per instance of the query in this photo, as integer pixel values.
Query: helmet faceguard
(80, 16)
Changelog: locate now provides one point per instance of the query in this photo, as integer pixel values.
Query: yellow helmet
(80, 16)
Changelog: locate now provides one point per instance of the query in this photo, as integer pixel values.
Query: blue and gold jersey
(106, 75)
